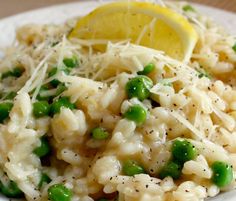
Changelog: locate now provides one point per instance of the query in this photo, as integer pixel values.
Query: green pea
(55, 43)
(6, 74)
(59, 192)
(222, 173)
(43, 149)
(131, 168)
(172, 169)
(16, 72)
(5, 109)
(10, 96)
(136, 113)
(234, 47)
(53, 72)
(11, 190)
(183, 150)
(100, 133)
(187, 8)
(59, 103)
(44, 180)
(139, 87)
(66, 71)
(41, 109)
(102, 199)
(60, 88)
(42, 94)
(147, 69)
(70, 62)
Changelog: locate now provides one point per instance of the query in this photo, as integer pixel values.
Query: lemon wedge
(142, 23)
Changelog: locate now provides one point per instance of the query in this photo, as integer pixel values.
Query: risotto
(127, 124)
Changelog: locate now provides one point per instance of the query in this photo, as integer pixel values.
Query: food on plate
(135, 101)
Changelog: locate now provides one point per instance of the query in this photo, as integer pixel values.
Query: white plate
(59, 14)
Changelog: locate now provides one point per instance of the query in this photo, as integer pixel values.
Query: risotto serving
(86, 116)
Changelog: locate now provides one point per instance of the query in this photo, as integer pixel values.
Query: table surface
(11, 7)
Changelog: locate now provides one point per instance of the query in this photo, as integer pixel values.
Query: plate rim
(68, 4)
(86, 2)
